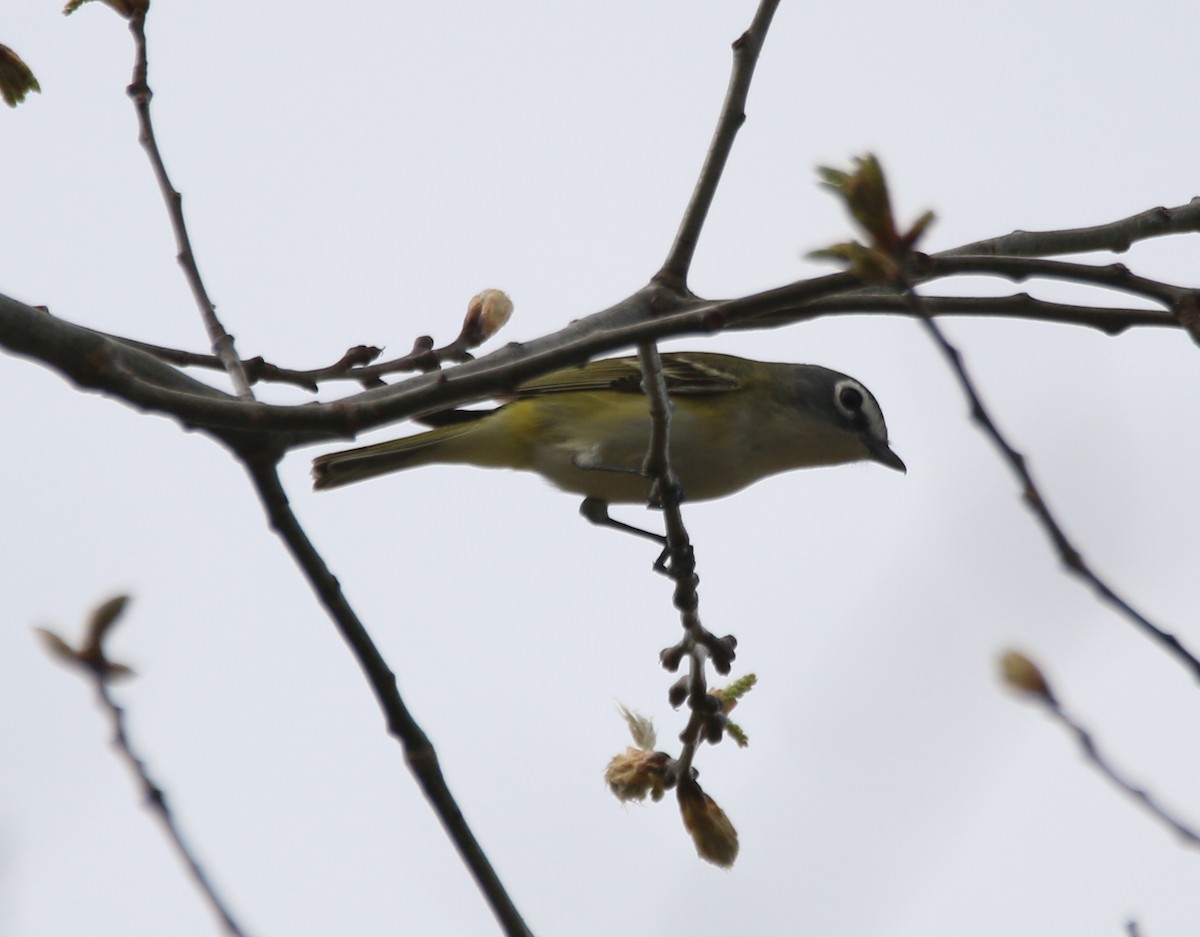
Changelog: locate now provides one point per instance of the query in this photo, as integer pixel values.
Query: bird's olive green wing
(685, 373)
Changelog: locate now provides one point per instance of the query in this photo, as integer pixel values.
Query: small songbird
(586, 429)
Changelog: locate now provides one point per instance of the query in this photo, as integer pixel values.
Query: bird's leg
(596, 511)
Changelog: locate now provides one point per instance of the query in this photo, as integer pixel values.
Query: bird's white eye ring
(849, 398)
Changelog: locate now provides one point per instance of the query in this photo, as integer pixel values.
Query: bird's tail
(352, 465)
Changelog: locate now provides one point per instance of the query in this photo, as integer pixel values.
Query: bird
(586, 428)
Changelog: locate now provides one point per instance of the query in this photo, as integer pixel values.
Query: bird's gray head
(840, 401)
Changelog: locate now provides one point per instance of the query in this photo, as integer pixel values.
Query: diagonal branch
(746, 49)
(156, 800)
(1024, 676)
(1092, 753)
(1069, 554)
(418, 750)
(94, 361)
(139, 91)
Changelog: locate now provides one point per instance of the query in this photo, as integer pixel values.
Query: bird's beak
(881, 452)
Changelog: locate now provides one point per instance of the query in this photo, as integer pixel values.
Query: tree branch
(706, 720)
(746, 49)
(1024, 676)
(353, 366)
(1114, 236)
(1113, 276)
(91, 656)
(139, 91)
(91, 360)
(1092, 753)
(1070, 555)
(418, 750)
(871, 301)
(156, 800)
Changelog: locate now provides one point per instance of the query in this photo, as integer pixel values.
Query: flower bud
(16, 78)
(671, 657)
(678, 692)
(723, 651)
(487, 313)
(715, 837)
(1023, 675)
(636, 773)
(714, 728)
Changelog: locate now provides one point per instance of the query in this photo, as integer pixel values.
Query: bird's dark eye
(851, 399)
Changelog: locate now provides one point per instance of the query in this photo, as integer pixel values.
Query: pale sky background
(354, 173)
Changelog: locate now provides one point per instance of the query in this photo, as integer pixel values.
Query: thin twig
(139, 91)
(1093, 754)
(418, 751)
(746, 49)
(1117, 277)
(354, 365)
(258, 369)
(1068, 553)
(681, 564)
(698, 644)
(1114, 236)
(486, 314)
(156, 800)
(1111, 320)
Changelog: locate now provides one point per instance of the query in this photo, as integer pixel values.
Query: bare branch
(356, 363)
(1071, 558)
(654, 312)
(706, 721)
(91, 657)
(140, 93)
(746, 49)
(1093, 754)
(156, 800)
(1113, 276)
(1115, 236)
(418, 750)
(889, 258)
(90, 359)
(698, 644)
(1024, 676)
(258, 369)
(1110, 320)
(96, 362)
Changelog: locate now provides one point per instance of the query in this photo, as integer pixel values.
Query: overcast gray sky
(354, 173)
